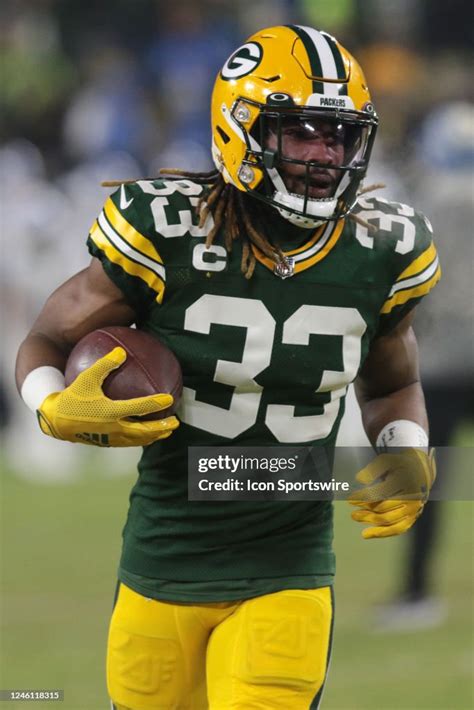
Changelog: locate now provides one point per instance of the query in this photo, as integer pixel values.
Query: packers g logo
(243, 61)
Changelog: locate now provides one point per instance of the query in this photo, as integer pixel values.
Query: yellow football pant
(265, 653)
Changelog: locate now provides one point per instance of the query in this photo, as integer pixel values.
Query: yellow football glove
(396, 487)
(82, 413)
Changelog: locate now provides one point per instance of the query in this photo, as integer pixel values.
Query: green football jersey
(265, 361)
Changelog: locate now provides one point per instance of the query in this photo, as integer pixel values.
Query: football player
(276, 284)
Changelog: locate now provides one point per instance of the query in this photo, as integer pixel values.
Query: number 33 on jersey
(264, 360)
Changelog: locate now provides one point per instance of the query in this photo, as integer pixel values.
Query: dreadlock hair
(236, 213)
(232, 210)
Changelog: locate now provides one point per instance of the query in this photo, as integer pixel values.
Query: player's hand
(396, 487)
(82, 413)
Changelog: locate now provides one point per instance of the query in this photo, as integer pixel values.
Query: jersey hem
(267, 587)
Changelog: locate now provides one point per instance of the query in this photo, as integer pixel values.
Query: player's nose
(318, 151)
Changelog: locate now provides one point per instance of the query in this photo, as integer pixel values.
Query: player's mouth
(321, 185)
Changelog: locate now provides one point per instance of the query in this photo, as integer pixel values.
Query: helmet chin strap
(317, 212)
(298, 220)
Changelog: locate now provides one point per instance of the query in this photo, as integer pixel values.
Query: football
(150, 367)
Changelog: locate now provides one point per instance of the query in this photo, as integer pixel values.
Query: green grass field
(60, 545)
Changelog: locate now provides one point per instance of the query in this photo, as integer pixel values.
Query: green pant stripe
(317, 698)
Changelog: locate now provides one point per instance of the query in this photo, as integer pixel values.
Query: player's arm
(394, 415)
(81, 412)
(87, 301)
(388, 387)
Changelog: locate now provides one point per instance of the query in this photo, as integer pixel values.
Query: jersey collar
(314, 250)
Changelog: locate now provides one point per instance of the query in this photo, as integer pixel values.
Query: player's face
(314, 140)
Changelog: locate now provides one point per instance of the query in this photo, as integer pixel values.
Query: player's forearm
(52, 336)
(89, 300)
(405, 404)
(38, 350)
(49, 343)
(389, 392)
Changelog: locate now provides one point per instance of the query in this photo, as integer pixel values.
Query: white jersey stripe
(322, 241)
(415, 280)
(128, 250)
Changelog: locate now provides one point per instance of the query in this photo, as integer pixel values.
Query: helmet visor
(312, 153)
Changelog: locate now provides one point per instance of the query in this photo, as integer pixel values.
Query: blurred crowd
(116, 90)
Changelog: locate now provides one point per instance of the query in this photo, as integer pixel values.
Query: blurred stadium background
(111, 90)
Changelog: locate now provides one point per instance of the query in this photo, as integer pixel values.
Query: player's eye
(297, 132)
(334, 136)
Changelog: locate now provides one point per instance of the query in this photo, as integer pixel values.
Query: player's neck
(284, 234)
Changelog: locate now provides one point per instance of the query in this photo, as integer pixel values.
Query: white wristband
(39, 384)
(402, 433)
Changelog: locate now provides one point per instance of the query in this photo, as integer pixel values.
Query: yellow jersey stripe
(126, 248)
(318, 233)
(420, 263)
(260, 256)
(333, 237)
(403, 296)
(134, 268)
(130, 234)
(404, 284)
(315, 251)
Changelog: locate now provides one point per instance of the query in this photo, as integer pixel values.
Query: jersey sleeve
(122, 239)
(413, 278)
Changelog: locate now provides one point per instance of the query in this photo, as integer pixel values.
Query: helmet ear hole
(223, 134)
